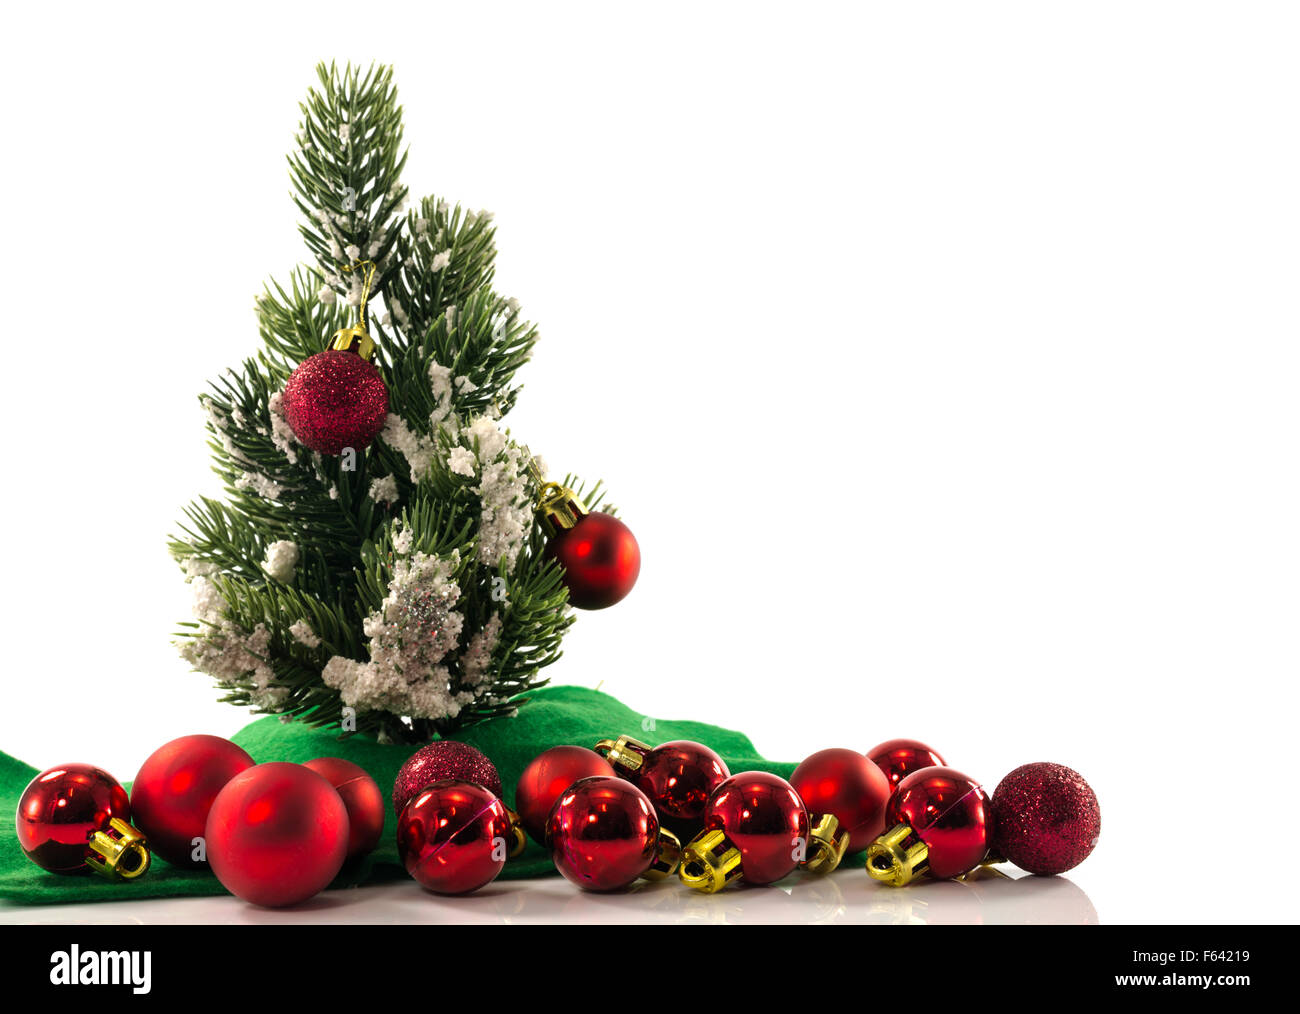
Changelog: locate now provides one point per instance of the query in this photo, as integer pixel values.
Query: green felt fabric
(549, 717)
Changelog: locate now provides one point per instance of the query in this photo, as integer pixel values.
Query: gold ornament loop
(356, 338)
(710, 862)
(827, 845)
(518, 839)
(898, 857)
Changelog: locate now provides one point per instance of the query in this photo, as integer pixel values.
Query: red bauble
(603, 833)
(59, 811)
(762, 816)
(174, 790)
(898, 758)
(546, 777)
(847, 785)
(678, 778)
(1045, 818)
(453, 837)
(948, 811)
(601, 560)
(335, 400)
(362, 798)
(445, 760)
(277, 834)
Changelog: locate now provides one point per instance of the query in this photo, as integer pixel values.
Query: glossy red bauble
(1045, 817)
(453, 837)
(601, 560)
(277, 834)
(545, 779)
(440, 761)
(898, 758)
(764, 818)
(948, 811)
(678, 777)
(847, 785)
(172, 794)
(61, 808)
(335, 400)
(603, 833)
(362, 798)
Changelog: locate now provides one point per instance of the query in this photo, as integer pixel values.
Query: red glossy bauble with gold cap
(755, 829)
(677, 777)
(454, 837)
(73, 818)
(938, 823)
(604, 834)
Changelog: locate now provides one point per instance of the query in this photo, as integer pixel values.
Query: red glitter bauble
(445, 760)
(601, 560)
(61, 808)
(172, 794)
(603, 833)
(546, 777)
(949, 812)
(453, 837)
(763, 817)
(898, 758)
(678, 778)
(360, 794)
(335, 400)
(847, 785)
(277, 834)
(1046, 818)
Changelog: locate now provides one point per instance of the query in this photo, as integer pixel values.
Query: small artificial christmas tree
(381, 560)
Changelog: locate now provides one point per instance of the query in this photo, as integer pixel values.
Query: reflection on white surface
(847, 897)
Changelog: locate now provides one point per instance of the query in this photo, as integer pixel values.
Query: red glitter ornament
(335, 400)
(1046, 818)
(546, 777)
(848, 786)
(939, 823)
(73, 819)
(604, 834)
(277, 834)
(444, 760)
(755, 827)
(453, 837)
(898, 758)
(360, 794)
(601, 560)
(172, 794)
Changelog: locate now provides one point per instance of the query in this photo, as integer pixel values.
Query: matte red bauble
(362, 798)
(444, 760)
(848, 786)
(601, 560)
(677, 777)
(277, 834)
(545, 779)
(940, 823)
(755, 828)
(335, 400)
(74, 818)
(172, 794)
(453, 837)
(898, 758)
(604, 834)
(1045, 817)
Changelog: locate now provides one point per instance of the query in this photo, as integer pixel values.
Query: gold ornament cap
(356, 338)
(710, 862)
(827, 845)
(668, 856)
(898, 857)
(624, 753)
(518, 839)
(118, 851)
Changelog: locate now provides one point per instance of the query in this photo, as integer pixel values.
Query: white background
(942, 357)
